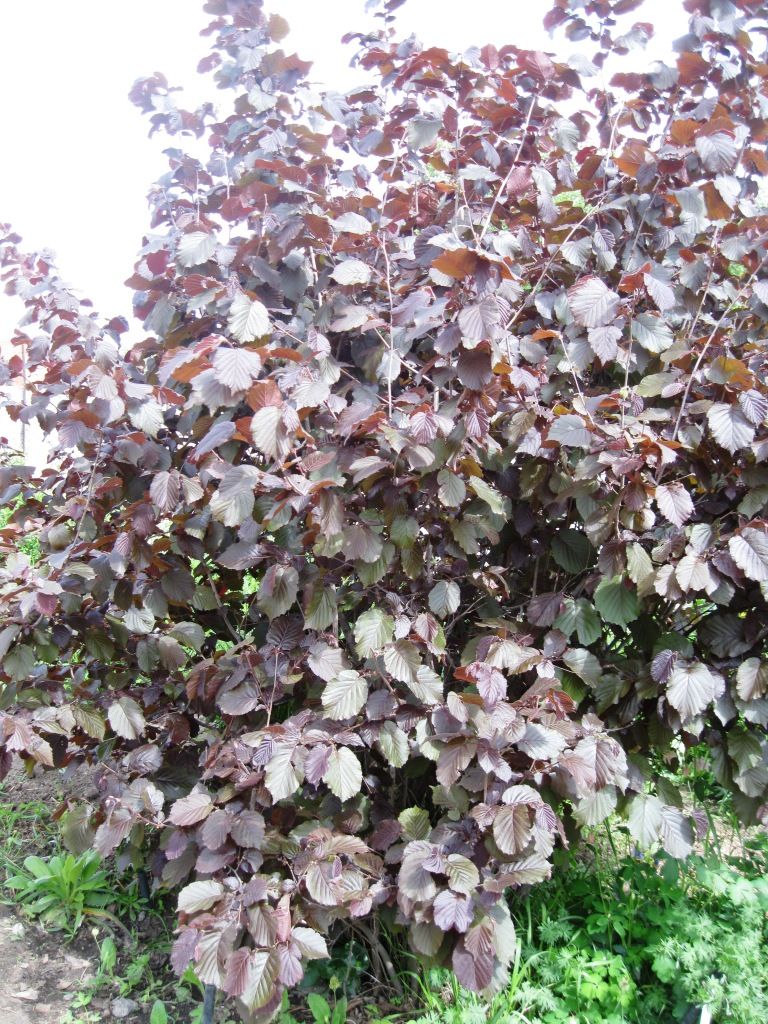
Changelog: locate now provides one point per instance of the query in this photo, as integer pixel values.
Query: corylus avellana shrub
(429, 512)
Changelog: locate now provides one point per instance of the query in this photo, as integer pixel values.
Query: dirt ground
(38, 975)
(49, 787)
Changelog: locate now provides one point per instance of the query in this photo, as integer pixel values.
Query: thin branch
(222, 610)
(289, 334)
(508, 175)
(388, 281)
(457, 142)
(390, 346)
(88, 496)
(381, 954)
(712, 335)
(627, 365)
(470, 222)
(539, 281)
(611, 143)
(712, 249)
(652, 196)
(575, 378)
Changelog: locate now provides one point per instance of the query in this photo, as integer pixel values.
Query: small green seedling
(321, 1010)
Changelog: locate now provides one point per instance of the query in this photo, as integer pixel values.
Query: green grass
(24, 828)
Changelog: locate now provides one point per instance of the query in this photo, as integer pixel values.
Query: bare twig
(652, 196)
(222, 610)
(381, 954)
(611, 143)
(575, 378)
(712, 335)
(88, 496)
(627, 365)
(272, 692)
(712, 248)
(540, 279)
(289, 334)
(470, 222)
(508, 175)
(388, 280)
(390, 346)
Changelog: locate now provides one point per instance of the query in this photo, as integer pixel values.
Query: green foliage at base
(613, 938)
(630, 941)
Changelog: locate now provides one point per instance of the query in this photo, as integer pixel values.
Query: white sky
(77, 162)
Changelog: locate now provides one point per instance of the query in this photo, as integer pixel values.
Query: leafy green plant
(621, 939)
(440, 999)
(190, 989)
(346, 969)
(63, 890)
(712, 948)
(284, 1015)
(158, 1014)
(74, 1016)
(628, 938)
(107, 957)
(27, 545)
(322, 1011)
(86, 993)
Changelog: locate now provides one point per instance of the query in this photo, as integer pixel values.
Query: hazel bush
(428, 513)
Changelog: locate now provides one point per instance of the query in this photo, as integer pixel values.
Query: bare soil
(38, 975)
(49, 787)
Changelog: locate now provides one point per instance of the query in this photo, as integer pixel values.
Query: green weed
(621, 939)
(62, 890)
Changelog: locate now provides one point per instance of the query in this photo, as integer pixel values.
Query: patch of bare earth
(75, 782)
(38, 974)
